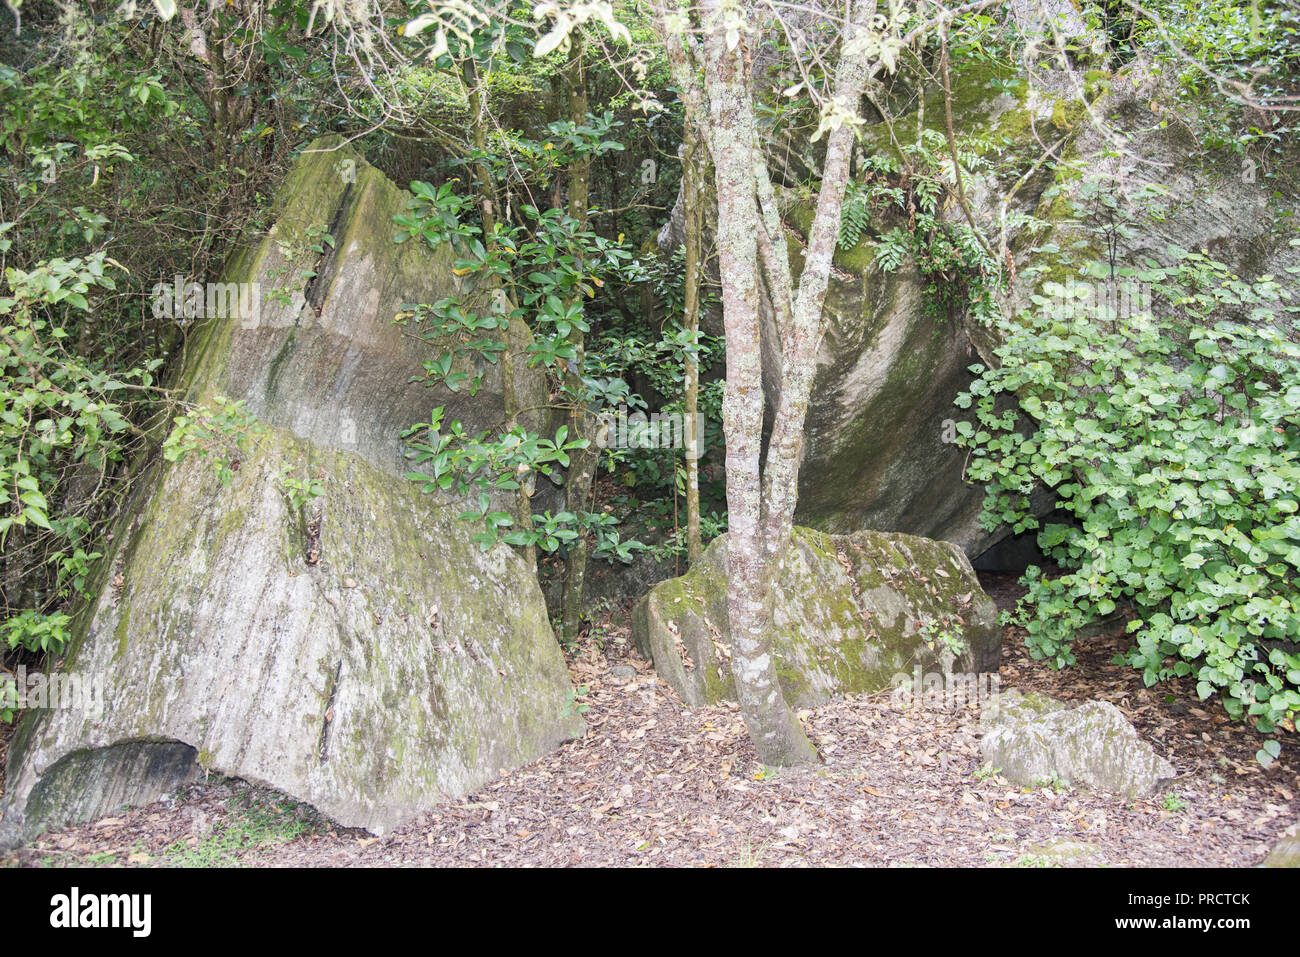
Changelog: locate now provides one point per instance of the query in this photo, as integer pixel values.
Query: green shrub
(1173, 445)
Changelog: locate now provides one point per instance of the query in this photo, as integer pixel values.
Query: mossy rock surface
(322, 356)
(1202, 199)
(848, 618)
(879, 450)
(878, 435)
(1034, 740)
(356, 651)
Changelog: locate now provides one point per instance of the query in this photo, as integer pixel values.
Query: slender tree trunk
(761, 500)
(694, 172)
(582, 468)
(693, 194)
(799, 354)
(478, 95)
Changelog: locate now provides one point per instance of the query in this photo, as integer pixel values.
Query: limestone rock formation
(1236, 209)
(353, 649)
(878, 450)
(853, 612)
(1032, 739)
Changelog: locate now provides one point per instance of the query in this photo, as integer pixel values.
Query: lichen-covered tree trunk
(762, 490)
(772, 726)
(799, 350)
(695, 165)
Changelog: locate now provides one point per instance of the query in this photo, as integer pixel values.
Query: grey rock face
(356, 651)
(875, 454)
(879, 450)
(1033, 738)
(89, 784)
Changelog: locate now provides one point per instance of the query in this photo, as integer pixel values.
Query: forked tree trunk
(762, 491)
(772, 726)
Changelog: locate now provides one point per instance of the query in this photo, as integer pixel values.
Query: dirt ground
(653, 783)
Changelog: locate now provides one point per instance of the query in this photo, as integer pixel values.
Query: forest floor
(653, 783)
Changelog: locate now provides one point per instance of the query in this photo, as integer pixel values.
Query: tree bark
(694, 171)
(582, 469)
(762, 489)
(692, 179)
(799, 352)
(772, 726)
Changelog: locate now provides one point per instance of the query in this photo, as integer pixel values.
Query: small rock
(1065, 853)
(1286, 853)
(1033, 738)
(198, 821)
(622, 674)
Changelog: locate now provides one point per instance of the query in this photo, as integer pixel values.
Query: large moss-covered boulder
(353, 649)
(879, 438)
(852, 614)
(1032, 739)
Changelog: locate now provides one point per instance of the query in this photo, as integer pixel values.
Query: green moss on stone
(830, 634)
